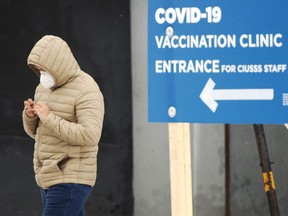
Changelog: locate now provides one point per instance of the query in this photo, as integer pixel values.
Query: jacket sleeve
(30, 124)
(87, 130)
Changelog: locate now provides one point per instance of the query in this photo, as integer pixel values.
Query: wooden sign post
(180, 169)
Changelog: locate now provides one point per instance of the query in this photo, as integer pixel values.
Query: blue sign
(218, 61)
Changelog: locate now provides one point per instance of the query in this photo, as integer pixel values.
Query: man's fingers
(39, 107)
(42, 105)
(30, 101)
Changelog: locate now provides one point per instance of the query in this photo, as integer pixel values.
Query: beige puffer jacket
(66, 143)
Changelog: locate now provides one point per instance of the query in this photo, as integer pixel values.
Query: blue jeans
(65, 199)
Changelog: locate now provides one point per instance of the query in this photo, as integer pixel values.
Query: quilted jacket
(66, 142)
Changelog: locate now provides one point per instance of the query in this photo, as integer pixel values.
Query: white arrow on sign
(209, 95)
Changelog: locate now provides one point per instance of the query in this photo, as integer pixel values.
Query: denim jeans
(65, 199)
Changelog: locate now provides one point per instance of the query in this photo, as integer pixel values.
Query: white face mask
(46, 80)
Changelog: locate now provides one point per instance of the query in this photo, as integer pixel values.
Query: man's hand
(29, 108)
(42, 110)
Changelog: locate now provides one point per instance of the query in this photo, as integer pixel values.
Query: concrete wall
(247, 191)
(151, 180)
(151, 184)
(208, 169)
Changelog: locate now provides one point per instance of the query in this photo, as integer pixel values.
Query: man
(65, 119)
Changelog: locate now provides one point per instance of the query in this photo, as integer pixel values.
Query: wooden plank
(180, 169)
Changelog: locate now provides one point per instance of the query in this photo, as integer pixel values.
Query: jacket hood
(53, 55)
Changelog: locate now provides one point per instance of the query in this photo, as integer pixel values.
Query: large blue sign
(218, 61)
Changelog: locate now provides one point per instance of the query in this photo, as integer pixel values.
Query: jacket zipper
(39, 133)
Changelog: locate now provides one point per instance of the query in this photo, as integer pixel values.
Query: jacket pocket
(62, 164)
(54, 166)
